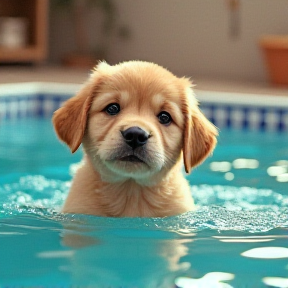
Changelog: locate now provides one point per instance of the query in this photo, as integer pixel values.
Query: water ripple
(219, 208)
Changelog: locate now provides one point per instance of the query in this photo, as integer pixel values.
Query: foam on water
(33, 192)
(219, 208)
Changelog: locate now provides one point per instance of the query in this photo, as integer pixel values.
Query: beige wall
(190, 37)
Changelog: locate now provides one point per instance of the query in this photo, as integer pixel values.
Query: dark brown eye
(112, 109)
(164, 118)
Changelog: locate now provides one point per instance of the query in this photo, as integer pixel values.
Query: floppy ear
(199, 136)
(70, 120)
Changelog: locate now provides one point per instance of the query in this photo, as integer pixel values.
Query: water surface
(236, 238)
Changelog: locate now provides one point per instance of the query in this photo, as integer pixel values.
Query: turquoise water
(236, 238)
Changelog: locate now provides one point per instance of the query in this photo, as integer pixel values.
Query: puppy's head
(135, 119)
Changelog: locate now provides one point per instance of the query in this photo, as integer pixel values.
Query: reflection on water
(267, 253)
(277, 282)
(63, 248)
(106, 252)
(129, 262)
(212, 279)
(279, 171)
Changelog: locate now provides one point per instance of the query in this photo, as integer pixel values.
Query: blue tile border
(251, 116)
(245, 117)
(39, 105)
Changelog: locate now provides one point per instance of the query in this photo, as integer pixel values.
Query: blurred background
(212, 41)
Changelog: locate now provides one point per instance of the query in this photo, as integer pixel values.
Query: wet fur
(105, 186)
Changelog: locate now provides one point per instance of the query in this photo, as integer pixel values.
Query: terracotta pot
(275, 50)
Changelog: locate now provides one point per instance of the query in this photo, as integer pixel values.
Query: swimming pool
(237, 238)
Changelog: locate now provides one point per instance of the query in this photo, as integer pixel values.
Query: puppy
(137, 122)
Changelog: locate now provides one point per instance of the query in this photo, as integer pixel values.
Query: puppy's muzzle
(135, 137)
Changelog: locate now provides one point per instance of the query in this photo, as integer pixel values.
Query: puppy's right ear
(70, 120)
(199, 133)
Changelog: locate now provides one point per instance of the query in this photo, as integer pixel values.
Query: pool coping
(35, 88)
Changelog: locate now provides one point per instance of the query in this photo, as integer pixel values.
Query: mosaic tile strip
(222, 115)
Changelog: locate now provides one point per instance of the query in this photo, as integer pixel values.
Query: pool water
(236, 238)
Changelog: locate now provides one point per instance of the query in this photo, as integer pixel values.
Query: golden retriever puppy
(137, 123)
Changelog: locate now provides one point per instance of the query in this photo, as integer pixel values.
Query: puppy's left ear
(70, 120)
(199, 134)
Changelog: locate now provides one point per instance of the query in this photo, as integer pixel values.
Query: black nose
(135, 137)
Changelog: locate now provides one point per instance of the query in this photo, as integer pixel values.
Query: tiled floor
(68, 75)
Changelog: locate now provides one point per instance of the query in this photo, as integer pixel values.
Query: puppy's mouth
(131, 158)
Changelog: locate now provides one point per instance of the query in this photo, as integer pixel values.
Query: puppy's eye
(112, 109)
(164, 118)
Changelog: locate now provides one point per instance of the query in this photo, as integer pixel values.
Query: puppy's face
(135, 124)
(134, 119)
